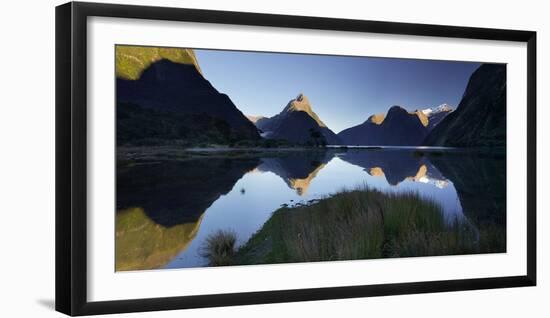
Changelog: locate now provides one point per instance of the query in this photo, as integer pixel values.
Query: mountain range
(162, 96)
(396, 128)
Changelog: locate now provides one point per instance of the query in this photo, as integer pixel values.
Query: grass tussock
(365, 223)
(219, 248)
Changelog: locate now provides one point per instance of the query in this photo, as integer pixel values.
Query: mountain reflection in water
(396, 165)
(143, 244)
(166, 210)
(297, 169)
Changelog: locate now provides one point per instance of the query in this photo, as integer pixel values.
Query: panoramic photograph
(227, 158)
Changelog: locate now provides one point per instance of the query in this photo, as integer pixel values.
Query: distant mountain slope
(436, 114)
(297, 123)
(363, 134)
(397, 128)
(254, 118)
(480, 118)
(170, 99)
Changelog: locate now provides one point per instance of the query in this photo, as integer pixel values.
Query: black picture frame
(71, 157)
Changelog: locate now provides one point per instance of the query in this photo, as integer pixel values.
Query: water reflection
(396, 165)
(480, 182)
(142, 244)
(175, 192)
(239, 193)
(297, 169)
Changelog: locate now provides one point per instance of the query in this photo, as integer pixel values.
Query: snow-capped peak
(438, 109)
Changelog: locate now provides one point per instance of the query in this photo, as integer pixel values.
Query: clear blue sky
(344, 91)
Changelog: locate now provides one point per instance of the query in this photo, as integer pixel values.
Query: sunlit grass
(365, 223)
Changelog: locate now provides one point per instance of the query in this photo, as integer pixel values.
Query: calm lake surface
(171, 207)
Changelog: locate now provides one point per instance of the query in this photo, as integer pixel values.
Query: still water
(167, 209)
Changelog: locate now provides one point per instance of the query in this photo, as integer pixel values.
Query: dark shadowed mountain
(480, 118)
(174, 88)
(397, 128)
(472, 175)
(363, 134)
(297, 123)
(176, 192)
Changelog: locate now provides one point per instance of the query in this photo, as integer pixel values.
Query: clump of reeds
(219, 248)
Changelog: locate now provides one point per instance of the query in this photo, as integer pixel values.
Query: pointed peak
(301, 101)
(301, 104)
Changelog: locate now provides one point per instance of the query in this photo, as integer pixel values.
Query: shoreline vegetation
(128, 155)
(132, 155)
(361, 223)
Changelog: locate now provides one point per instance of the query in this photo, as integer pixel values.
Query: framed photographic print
(209, 158)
